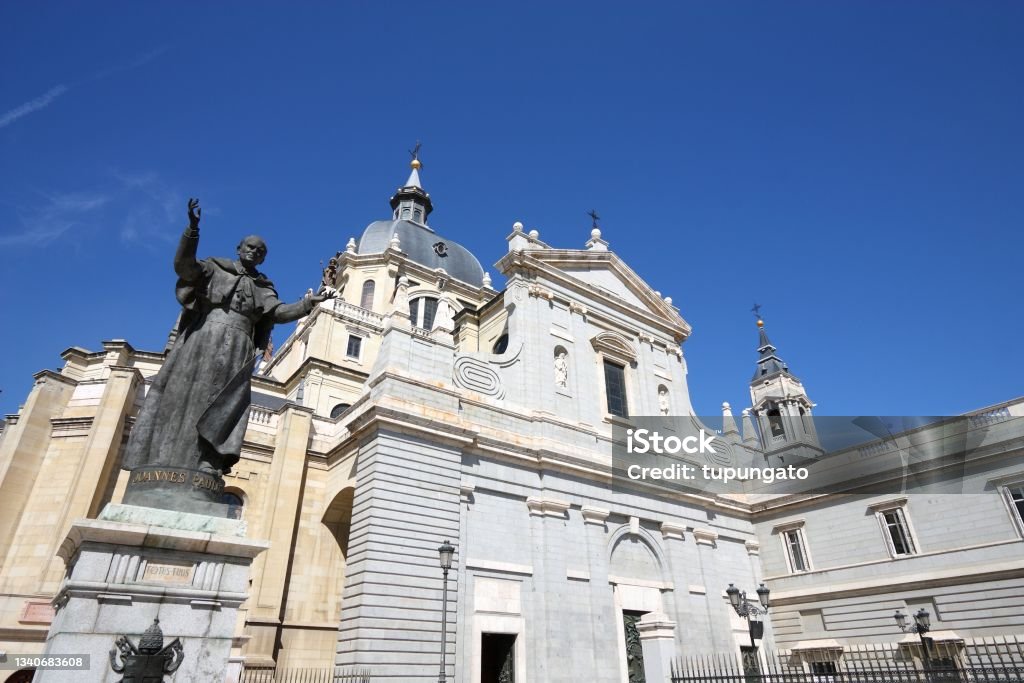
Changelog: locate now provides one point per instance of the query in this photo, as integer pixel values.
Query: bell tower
(781, 407)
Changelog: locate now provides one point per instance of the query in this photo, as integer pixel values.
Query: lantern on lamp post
(750, 610)
(922, 625)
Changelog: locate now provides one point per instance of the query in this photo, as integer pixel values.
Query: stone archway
(335, 525)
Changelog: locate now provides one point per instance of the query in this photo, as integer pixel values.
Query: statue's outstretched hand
(322, 296)
(194, 212)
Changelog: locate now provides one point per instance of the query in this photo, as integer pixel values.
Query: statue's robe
(197, 408)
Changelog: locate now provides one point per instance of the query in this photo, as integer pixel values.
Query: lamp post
(922, 624)
(748, 608)
(445, 552)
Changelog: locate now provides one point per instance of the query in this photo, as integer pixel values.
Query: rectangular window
(897, 531)
(422, 312)
(355, 345)
(429, 311)
(1015, 498)
(824, 672)
(615, 389)
(795, 550)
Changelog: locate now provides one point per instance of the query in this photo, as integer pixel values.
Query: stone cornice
(44, 375)
(875, 584)
(127, 534)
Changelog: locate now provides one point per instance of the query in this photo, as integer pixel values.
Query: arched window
(234, 503)
(339, 409)
(422, 312)
(775, 422)
(501, 345)
(366, 300)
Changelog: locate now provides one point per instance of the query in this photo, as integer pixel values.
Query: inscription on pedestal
(198, 480)
(176, 488)
(159, 572)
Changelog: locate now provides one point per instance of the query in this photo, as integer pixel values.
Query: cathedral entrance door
(497, 654)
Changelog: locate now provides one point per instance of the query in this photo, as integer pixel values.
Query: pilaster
(23, 447)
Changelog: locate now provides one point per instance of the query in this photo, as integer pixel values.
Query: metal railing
(305, 675)
(987, 660)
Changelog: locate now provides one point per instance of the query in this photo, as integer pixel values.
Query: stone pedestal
(134, 565)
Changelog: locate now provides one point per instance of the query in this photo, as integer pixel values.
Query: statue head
(252, 250)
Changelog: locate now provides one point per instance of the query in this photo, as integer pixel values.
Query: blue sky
(854, 167)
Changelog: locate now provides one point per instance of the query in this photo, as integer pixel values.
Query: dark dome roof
(417, 242)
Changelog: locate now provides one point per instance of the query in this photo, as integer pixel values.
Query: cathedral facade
(422, 405)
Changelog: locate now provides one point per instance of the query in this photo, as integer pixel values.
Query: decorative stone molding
(541, 292)
(577, 575)
(753, 547)
(634, 526)
(646, 339)
(614, 346)
(547, 507)
(502, 567)
(593, 515)
(705, 537)
(466, 492)
(595, 243)
(476, 375)
(576, 307)
(673, 530)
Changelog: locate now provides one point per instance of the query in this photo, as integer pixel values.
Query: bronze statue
(191, 425)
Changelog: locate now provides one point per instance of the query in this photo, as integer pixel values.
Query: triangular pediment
(605, 276)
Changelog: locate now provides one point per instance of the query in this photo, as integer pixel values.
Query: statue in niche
(561, 369)
(197, 408)
(663, 401)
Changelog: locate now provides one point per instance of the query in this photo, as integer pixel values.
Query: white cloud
(38, 103)
(55, 217)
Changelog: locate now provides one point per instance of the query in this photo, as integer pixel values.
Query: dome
(418, 243)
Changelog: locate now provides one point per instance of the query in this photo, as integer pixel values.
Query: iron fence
(305, 675)
(987, 660)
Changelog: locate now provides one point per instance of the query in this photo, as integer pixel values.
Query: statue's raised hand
(194, 212)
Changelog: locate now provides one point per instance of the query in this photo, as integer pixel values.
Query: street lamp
(748, 608)
(922, 624)
(445, 552)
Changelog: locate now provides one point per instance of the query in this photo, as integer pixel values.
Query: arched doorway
(336, 522)
(23, 676)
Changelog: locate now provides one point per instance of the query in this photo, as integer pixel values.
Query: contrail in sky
(32, 105)
(53, 93)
